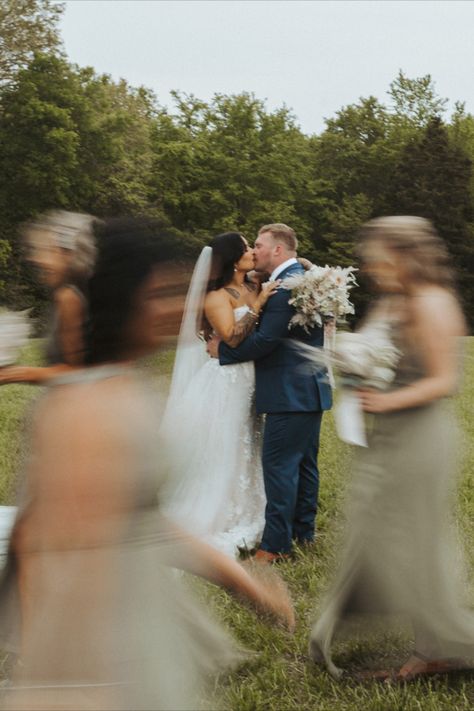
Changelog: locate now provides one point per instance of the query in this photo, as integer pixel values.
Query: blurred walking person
(104, 622)
(400, 557)
(61, 247)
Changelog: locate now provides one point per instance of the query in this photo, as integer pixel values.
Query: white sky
(314, 56)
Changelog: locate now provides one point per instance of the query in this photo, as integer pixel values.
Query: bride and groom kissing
(233, 484)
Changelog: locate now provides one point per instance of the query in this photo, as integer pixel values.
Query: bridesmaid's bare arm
(437, 326)
(70, 310)
(268, 592)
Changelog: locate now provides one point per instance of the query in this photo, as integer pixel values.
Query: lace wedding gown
(217, 484)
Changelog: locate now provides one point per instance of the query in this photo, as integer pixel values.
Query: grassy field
(280, 677)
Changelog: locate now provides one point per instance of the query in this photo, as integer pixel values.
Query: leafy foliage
(74, 139)
(26, 27)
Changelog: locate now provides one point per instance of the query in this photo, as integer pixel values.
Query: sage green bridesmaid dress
(401, 560)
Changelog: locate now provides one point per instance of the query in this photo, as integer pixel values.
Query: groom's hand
(213, 346)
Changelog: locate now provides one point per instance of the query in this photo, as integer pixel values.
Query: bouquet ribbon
(349, 418)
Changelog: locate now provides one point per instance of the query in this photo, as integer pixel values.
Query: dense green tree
(416, 100)
(74, 139)
(351, 165)
(228, 164)
(27, 27)
(352, 152)
(39, 139)
(433, 180)
(344, 221)
(71, 139)
(115, 154)
(461, 132)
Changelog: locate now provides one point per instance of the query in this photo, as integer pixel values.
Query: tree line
(75, 139)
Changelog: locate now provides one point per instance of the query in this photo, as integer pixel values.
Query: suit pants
(291, 478)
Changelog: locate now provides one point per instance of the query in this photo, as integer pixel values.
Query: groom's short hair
(283, 234)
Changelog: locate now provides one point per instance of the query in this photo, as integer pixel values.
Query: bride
(217, 485)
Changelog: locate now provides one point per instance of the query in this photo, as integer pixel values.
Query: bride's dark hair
(227, 249)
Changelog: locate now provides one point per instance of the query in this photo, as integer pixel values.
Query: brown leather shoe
(268, 558)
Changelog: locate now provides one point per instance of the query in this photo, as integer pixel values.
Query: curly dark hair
(128, 251)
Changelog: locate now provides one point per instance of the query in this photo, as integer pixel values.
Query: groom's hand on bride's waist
(213, 346)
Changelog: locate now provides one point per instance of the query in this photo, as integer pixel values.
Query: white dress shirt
(281, 267)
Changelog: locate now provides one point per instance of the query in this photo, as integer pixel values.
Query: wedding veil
(191, 353)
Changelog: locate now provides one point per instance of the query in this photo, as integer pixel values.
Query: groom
(293, 392)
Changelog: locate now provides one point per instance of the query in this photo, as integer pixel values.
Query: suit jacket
(286, 379)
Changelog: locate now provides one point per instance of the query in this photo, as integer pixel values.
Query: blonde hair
(415, 239)
(283, 234)
(73, 231)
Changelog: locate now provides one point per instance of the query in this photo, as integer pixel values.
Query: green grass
(14, 401)
(280, 677)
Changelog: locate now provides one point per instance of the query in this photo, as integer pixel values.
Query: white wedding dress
(216, 483)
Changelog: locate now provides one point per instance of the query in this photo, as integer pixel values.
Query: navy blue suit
(293, 392)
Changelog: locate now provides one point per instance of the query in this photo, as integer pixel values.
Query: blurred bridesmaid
(61, 246)
(400, 556)
(105, 624)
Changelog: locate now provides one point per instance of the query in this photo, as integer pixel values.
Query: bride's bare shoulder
(218, 297)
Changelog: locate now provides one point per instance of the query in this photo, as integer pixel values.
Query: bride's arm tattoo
(242, 328)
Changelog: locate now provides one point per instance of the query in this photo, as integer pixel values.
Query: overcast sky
(314, 56)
